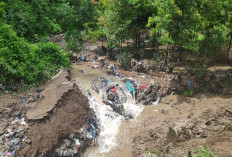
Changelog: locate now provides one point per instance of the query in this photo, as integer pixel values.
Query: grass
(204, 152)
(149, 153)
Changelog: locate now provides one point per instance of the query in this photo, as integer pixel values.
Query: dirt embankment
(61, 111)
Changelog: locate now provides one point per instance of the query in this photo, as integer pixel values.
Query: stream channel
(108, 120)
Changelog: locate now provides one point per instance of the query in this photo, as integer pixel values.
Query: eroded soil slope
(61, 111)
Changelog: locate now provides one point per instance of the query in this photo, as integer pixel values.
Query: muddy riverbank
(200, 121)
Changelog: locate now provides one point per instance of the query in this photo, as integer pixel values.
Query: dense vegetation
(199, 27)
(23, 63)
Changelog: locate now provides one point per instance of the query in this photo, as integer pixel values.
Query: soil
(56, 116)
(179, 125)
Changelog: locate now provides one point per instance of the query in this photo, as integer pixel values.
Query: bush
(73, 40)
(123, 58)
(24, 63)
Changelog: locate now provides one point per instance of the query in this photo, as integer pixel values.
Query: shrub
(24, 63)
(123, 58)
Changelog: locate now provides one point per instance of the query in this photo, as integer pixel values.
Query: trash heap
(12, 136)
(99, 84)
(81, 139)
(143, 93)
(112, 95)
(148, 94)
(13, 128)
(115, 96)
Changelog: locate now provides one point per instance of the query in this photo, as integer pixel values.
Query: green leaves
(25, 63)
(2, 11)
(204, 152)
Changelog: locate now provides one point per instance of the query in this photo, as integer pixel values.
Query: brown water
(109, 126)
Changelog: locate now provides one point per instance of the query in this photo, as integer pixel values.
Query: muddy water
(109, 126)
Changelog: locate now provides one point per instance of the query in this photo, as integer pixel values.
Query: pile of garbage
(217, 82)
(115, 96)
(112, 95)
(13, 136)
(13, 127)
(81, 139)
(99, 84)
(74, 58)
(144, 93)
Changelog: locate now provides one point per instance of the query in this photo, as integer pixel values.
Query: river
(108, 125)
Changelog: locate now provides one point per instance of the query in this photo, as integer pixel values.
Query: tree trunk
(228, 53)
(168, 50)
(168, 54)
(139, 40)
(180, 53)
(136, 39)
(102, 41)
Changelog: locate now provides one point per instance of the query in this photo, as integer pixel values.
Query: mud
(204, 120)
(56, 116)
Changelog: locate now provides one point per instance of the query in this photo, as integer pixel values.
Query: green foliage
(73, 40)
(38, 18)
(204, 152)
(149, 153)
(115, 22)
(122, 19)
(187, 93)
(123, 58)
(193, 25)
(32, 20)
(2, 12)
(23, 63)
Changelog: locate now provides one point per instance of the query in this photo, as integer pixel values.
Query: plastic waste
(129, 87)
(93, 133)
(23, 121)
(189, 83)
(141, 86)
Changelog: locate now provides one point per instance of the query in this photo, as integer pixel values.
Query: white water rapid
(109, 121)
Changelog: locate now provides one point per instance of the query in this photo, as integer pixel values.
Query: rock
(95, 67)
(28, 141)
(172, 136)
(141, 142)
(191, 126)
(39, 90)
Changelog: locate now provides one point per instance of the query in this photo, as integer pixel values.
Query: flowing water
(108, 125)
